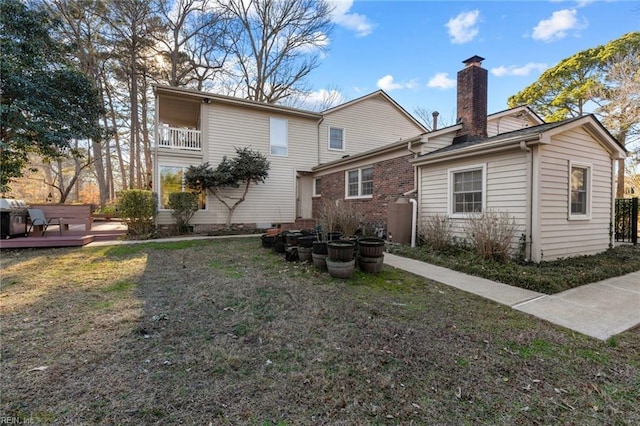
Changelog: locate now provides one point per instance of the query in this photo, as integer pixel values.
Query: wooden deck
(76, 236)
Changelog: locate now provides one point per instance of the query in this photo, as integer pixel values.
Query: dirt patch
(226, 332)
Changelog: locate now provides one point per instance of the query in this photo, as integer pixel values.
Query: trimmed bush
(138, 209)
(184, 206)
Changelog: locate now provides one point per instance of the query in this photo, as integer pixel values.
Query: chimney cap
(473, 60)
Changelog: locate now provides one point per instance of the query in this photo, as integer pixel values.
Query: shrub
(340, 216)
(435, 231)
(491, 235)
(184, 206)
(138, 209)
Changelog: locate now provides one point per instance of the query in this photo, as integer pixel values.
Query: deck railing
(177, 138)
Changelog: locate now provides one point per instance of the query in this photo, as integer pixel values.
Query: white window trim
(450, 187)
(346, 184)
(183, 187)
(344, 137)
(315, 194)
(589, 168)
(286, 136)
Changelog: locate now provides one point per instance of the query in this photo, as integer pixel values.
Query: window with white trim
(278, 138)
(359, 183)
(336, 139)
(172, 180)
(467, 190)
(579, 190)
(317, 187)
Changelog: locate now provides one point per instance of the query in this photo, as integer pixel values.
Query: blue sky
(413, 49)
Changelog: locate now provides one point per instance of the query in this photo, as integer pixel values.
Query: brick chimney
(472, 100)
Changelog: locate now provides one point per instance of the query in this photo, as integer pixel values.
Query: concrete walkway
(599, 310)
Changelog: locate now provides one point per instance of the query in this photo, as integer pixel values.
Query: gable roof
(540, 134)
(382, 94)
(520, 110)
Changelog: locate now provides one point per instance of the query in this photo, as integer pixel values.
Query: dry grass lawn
(225, 332)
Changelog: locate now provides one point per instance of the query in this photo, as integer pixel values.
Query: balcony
(177, 138)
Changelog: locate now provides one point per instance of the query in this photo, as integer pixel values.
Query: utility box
(399, 221)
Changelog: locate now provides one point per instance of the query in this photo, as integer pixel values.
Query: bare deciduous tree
(191, 46)
(276, 44)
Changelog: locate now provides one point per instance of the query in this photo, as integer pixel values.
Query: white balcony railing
(176, 138)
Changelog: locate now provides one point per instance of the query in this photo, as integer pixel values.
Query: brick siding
(391, 178)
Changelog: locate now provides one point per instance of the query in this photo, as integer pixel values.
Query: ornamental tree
(241, 171)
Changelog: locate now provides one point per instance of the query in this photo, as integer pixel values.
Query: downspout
(318, 137)
(414, 203)
(414, 211)
(155, 180)
(612, 219)
(529, 230)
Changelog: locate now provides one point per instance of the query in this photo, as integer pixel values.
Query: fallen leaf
(41, 368)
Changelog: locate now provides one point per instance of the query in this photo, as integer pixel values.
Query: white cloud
(442, 81)
(556, 27)
(351, 21)
(464, 27)
(388, 84)
(522, 71)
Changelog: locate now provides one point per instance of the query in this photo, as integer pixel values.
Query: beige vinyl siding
(506, 188)
(559, 236)
(275, 200)
(504, 124)
(434, 144)
(367, 125)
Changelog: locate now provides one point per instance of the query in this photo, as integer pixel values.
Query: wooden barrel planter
(292, 238)
(306, 241)
(278, 243)
(319, 260)
(304, 254)
(371, 265)
(371, 247)
(333, 236)
(319, 247)
(340, 269)
(267, 240)
(341, 250)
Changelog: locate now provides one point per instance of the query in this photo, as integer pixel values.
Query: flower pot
(334, 236)
(371, 265)
(306, 241)
(341, 250)
(292, 238)
(338, 269)
(278, 244)
(320, 247)
(272, 232)
(304, 254)
(267, 241)
(319, 260)
(371, 247)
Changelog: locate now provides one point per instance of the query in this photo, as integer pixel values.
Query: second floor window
(336, 139)
(278, 137)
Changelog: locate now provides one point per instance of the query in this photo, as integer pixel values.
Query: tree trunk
(622, 138)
